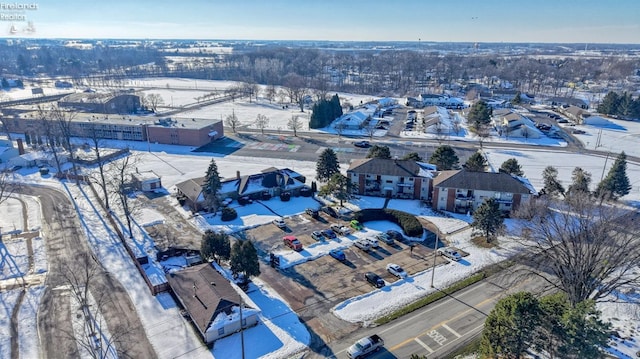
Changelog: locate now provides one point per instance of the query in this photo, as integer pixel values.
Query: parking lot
(312, 288)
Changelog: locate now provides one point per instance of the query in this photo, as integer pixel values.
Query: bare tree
(232, 121)
(8, 185)
(340, 128)
(48, 128)
(121, 185)
(296, 89)
(262, 121)
(64, 121)
(369, 127)
(94, 135)
(294, 124)
(456, 124)
(250, 89)
(270, 92)
(154, 100)
(588, 249)
(95, 338)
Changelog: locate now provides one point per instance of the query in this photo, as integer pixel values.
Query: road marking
(422, 344)
(445, 326)
(437, 337)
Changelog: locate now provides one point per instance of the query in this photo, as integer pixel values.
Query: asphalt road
(444, 326)
(65, 242)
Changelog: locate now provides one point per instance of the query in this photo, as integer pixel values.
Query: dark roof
(191, 188)
(386, 167)
(204, 293)
(483, 181)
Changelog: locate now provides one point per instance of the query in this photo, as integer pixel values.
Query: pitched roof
(387, 167)
(204, 293)
(191, 188)
(483, 181)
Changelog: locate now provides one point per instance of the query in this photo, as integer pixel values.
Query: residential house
(574, 113)
(514, 125)
(391, 178)
(211, 302)
(463, 191)
(357, 119)
(446, 101)
(7, 151)
(567, 101)
(189, 193)
(147, 181)
(414, 102)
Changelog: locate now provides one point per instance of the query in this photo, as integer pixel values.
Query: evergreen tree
(379, 151)
(610, 104)
(445, 158)
(244, 259)
(479, 115)
(336, 107)
(339, 186)
(215, 245)
(552, 185)
(488, 218)
(5, 83)
(517, 99)
(580, 181)
(324, 112)
(509, 330)
(211, 186)
(616, 184)
(512, 167)
(327, 165)
(476, 163)
(412, 156)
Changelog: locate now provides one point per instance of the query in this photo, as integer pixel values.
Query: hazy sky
(582, 21)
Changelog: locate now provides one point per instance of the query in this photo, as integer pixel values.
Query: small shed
(147, 181)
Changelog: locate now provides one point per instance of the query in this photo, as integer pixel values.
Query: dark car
(374, 279)
(362, 144)
(395, 235)
(328, 233)
(331, 211)
(312, 212)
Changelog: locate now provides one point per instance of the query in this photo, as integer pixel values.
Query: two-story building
(391, 178)
(463, 191)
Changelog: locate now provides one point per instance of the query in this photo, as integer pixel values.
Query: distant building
(445, 101)
(513, 124)
(356, 119)
(567, 101)
(109, 103)
(7, 151)
(212, 303)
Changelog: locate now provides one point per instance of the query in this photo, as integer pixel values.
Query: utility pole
(241, 328)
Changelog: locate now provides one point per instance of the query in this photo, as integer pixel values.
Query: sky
(551, 21)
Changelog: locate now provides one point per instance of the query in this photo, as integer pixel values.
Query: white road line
(451, 330)
(424, 345)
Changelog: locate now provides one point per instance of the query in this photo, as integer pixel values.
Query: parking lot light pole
(435, 252)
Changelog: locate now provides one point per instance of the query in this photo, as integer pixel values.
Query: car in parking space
(395, 235)
(331, 211)
(292, 242)
(312, 212)
(396, 270)
(317, 235)
(372, 242)
(362, 144)
(374, 279)
(279, 222)
(450, 253)
(341, 230)
(355, 224)
(338, 254)
(383, 237)
(329, 234)
(362, 244)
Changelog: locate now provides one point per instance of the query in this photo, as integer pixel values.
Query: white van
(363, 244)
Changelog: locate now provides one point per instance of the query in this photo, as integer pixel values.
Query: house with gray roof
(391, 178)
(211, 302)
(463, 191)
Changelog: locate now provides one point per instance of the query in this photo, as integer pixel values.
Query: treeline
(624, 105)
(325, 111)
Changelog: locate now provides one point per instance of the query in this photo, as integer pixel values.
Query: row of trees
(325, 111)
(242, 256)
(623, 105)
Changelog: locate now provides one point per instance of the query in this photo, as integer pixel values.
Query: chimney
(20, 146)
(237, 174)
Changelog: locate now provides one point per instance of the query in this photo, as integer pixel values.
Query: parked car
(279, 222)
(395, 235)
(362, 244)
(292, 242)
(374, 279)
(362, 144)
(578, 132)
(384, 238)
(372, 242)
(338, 254)
(331, 211)
(396, 270)
(341, 230)
(317, 235)
(329, 234)
(312, 212)
(355, 224)
(450, 253)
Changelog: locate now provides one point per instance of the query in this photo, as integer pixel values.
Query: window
(244, 322)
(389, 181)
(221, 331)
